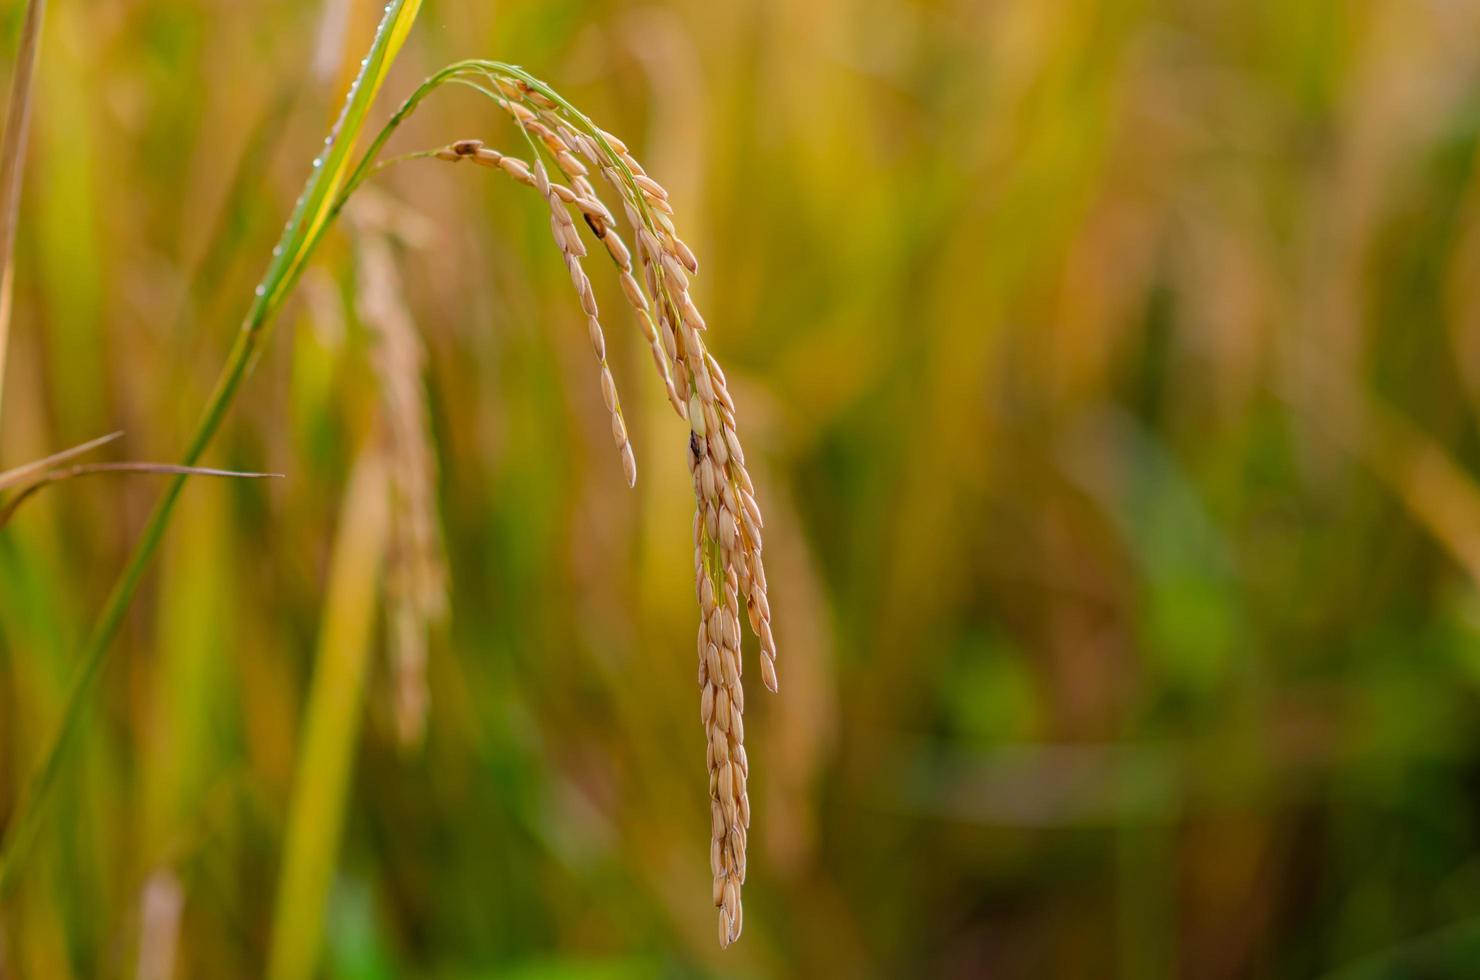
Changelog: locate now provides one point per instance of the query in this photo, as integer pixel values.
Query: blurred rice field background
(1110, 375)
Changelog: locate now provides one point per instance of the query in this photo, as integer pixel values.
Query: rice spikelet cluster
(727, 525)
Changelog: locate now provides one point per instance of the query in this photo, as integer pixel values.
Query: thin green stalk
(321, 201)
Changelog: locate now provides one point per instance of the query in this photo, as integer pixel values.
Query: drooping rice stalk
(727, 523)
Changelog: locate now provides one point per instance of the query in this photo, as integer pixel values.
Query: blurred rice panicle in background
(1110, 376)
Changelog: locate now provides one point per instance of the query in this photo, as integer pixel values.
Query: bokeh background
(1110, 375)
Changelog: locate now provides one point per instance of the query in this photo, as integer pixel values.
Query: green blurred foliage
(1109, 371)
